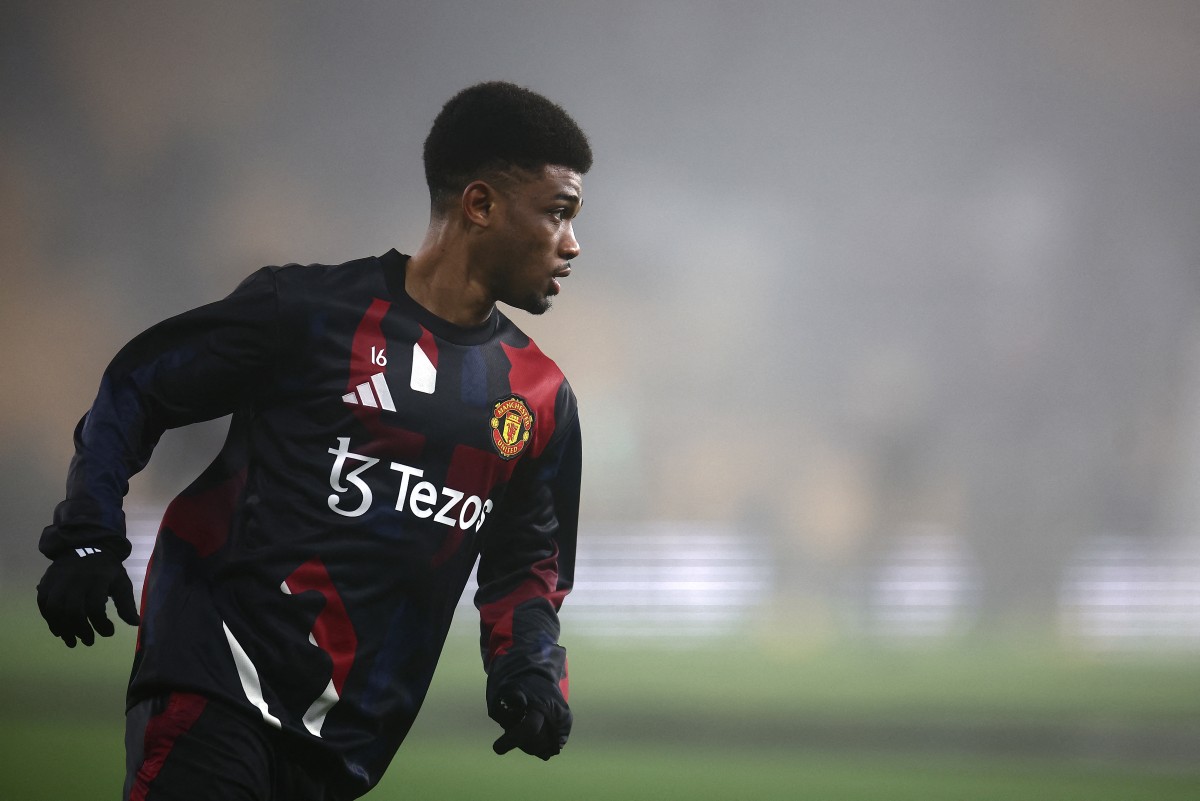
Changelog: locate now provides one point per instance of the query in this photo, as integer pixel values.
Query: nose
(568, 246)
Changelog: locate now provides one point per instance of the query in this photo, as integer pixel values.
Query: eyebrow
(569, 197)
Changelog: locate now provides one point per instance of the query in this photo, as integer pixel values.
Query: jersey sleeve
(527, 563)
(196, 366)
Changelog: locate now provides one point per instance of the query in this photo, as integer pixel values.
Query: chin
(533, 304)
(539, 306)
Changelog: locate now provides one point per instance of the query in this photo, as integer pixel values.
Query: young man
(389, 426)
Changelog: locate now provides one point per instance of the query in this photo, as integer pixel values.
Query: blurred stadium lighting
(141, 526)
(924, 586)
(1125, 592)
(670, 579)
(635, 580)
(665, 579)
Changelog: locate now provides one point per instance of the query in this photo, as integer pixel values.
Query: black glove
(534, 715)
(75, 589)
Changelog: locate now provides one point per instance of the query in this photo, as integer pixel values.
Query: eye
(559, 214)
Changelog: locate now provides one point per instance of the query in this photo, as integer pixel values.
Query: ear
(479, 203)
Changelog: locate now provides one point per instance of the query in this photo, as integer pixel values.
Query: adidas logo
(373, 393)
(87, 551)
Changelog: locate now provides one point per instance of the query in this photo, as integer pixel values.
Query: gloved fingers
(72, 623)
(548, 742)
(556, 730)
(56, 612)
(520, 735)
(66, 635)
(121, 591)
(509, 709)
(505, 743)
(535, 735)
(58, 627)
(95, 601)
(102, 626)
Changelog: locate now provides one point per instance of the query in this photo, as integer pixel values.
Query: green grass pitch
(729, 720)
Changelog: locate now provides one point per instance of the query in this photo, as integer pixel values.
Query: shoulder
(366, 272)
(537, 380)
(529, 365)
(305, 289)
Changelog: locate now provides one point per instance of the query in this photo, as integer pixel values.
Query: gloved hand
(75, 589)
(534, 715)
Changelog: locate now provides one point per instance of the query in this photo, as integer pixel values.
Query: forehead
(553, 182)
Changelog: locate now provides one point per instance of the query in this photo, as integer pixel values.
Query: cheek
(536, 246)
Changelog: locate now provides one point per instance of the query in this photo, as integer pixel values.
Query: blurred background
(886, 334)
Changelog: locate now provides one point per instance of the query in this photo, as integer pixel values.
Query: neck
(439, 277)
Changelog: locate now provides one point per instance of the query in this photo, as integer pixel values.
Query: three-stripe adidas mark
(373, 393)
(87, 551)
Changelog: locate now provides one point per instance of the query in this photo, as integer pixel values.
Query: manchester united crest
(512, 423)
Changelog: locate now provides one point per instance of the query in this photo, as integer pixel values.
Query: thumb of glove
(521, 735)
(121, 591)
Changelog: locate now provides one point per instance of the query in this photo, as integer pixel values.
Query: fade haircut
(492, 127)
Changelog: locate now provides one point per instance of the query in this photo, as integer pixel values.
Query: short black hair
(494, 126)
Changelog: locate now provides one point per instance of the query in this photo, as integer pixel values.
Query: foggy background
(887, 318)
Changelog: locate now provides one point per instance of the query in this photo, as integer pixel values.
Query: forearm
(193, 367)
(528, 567)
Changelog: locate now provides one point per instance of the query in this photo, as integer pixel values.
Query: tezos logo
(512, 423)
(421, 498)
